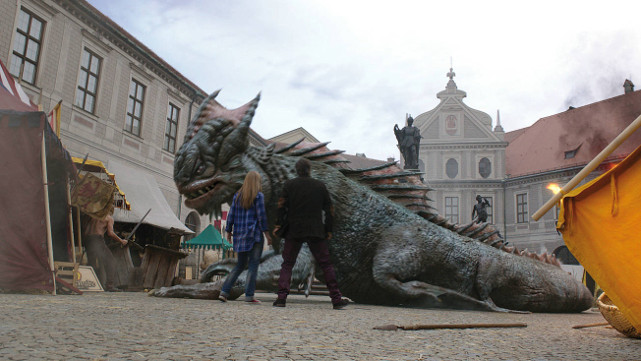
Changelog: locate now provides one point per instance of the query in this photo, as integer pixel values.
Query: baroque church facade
(462, 157)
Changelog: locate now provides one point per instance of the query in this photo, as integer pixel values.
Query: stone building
(120, 102)
(463, 156)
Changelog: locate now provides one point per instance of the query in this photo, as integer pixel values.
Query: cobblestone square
(134, 326)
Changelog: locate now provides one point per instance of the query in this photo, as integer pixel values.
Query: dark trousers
(101, 259)
(320, 251)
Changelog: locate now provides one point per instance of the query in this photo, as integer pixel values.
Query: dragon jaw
(208, 168)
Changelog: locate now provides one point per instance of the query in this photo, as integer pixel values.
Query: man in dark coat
(302, 205)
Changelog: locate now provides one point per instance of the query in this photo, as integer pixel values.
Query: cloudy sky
(347, 71)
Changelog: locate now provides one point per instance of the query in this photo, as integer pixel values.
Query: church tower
(462, 156)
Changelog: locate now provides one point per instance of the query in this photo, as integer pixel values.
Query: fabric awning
(143, 193)
(209, 238)
(599, 222)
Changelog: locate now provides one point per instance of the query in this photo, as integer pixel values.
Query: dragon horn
(249, 110)
(237, 141)
(202, 115)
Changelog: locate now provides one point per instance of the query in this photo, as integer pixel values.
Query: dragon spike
(476, 231)
(320, 156)
(465, 227)
(389, 176)
(486, 236)
(363, 170)
(288, 147)
(303, 151)
(404, 187)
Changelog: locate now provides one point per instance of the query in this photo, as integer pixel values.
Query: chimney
(390, 159)
(628, 86)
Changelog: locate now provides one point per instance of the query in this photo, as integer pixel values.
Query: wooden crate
(159, 266)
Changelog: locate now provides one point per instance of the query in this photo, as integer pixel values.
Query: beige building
(121, 103)
(463, 156)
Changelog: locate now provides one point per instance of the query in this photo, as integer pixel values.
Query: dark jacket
(306, 207)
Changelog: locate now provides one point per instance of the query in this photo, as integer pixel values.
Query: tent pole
(43, 155)
(73, 240)
(79, 232)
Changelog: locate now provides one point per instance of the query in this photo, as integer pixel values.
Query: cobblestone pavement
(134, 326)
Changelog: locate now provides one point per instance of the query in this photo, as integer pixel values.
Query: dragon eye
(201, 169)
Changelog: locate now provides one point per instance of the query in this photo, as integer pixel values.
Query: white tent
(143, 193)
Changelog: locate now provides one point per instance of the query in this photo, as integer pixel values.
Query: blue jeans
(253, 256)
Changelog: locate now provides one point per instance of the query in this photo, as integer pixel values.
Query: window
(192, 222)
(572, 153)
(451, 168)
(26, 47)
(173, 113)
(485, 167)
(521, 208)
(451, 209)
(88, 81)
(134, 107)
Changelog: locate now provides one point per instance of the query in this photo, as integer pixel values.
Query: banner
(54, 118)
(93, 196)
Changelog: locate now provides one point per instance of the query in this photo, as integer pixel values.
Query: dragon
(389, 246)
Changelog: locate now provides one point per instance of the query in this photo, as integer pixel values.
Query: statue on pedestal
(409, 140)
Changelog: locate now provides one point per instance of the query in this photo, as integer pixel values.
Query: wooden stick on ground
(592, 325)
(449, 326)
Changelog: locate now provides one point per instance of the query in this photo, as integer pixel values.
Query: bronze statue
(480, 209)
(409, 140)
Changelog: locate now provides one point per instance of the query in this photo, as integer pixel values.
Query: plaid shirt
(248, 225)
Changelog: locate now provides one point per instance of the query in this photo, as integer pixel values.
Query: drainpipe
(504, 182)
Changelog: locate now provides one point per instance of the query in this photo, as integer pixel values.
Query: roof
(208, 238)
(573, 137)
(510, 136)
(294, 135)
(360, 162)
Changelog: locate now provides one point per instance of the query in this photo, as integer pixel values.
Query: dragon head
(209, 167)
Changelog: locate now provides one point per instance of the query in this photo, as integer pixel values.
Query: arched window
(485, 167)
(451, 168)
(192, 222)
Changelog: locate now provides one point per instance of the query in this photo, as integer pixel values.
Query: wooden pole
(591, 325)
(450, 326)
(43, 155)
(589, 168)
(73, 241)
(79, 232)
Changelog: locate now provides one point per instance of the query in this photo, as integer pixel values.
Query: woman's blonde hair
(249, 190)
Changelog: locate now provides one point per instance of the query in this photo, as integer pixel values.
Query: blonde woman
(246, 223)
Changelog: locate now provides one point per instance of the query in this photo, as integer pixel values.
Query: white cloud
(347, 71)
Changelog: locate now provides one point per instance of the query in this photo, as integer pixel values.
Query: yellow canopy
(600, 222)
(96, 166)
